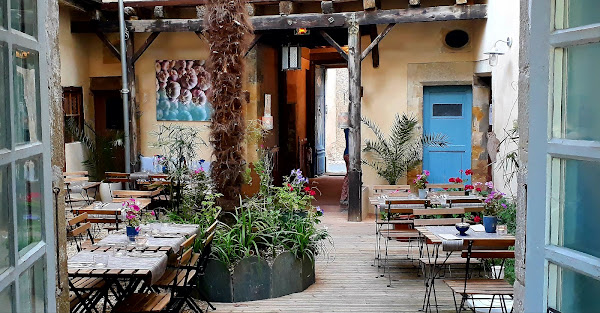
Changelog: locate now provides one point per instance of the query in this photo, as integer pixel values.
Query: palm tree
(402, 150)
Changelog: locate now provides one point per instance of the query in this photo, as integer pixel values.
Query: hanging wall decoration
(181, 91)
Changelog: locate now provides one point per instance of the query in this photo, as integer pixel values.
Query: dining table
(125, 265)
(449, 240)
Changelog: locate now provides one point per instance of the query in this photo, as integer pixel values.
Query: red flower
(477, 219)
(290, 186)
(469, 187)
(307, 189)
(445, 188)
(478, 189)
(468, 172)
(312, 193)
(458, 180)
(452, 180)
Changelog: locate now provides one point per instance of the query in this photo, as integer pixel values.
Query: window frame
(546, 70)
(45, 250)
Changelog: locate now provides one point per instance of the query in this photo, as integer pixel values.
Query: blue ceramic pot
(489, 223)
(131, 233)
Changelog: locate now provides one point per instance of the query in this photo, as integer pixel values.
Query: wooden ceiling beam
(376, 41)
(308, 20)
(112, 6)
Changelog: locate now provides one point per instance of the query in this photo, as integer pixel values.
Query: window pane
(31, 289)
(581, 12)
(4, 140)
(26, 100)
(582, 112)
(571, 292)
(24, 16)
(447, 109)
(5, 225)
(29, 203)
(3, 13)
(574, 205)
(6, 300)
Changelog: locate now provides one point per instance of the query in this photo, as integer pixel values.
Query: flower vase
(422, 193)
(132, 232)
(489, 223)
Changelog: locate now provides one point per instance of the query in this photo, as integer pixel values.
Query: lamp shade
(291, 56)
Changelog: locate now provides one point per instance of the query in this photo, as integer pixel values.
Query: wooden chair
(76, 227)
(390, 189)
(137, 194)
(467, 201)
(107, 219)
(438, 187)
(78, 187)
(116, 177)
(497, 249)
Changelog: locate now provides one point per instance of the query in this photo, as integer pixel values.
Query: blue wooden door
(447, 110)
(320, 120)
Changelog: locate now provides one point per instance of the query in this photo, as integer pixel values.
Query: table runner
(174, 243)
(454, 245)
(156, 263)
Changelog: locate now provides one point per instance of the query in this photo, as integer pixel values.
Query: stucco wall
(386, 89)
(503, 22)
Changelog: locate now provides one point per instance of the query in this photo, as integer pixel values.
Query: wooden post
(134, 129)
(355, 172)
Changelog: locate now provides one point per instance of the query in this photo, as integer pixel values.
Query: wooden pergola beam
(334, 44)
(376, 41)
(145, 46)
(174, 3)
(308, 20)
(253, 43)
(375, 51)
(109, 45)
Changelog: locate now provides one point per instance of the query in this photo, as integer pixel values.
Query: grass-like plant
(393, 155)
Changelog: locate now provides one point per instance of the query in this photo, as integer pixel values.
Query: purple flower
(504, 205)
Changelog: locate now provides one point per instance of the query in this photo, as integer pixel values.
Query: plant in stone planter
(494, 204)
(394, 155)
(421, 184)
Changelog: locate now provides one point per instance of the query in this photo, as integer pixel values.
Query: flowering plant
(421, 180)
(295, 194)
(134, 214)
(459, 180)
(494, 203)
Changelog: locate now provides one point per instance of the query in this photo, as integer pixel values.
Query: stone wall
(523, 157)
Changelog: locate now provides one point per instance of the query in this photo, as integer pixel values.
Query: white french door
(563, 211)
(27, 243)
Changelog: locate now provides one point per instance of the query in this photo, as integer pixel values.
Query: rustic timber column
(134, 129)
(355, 172)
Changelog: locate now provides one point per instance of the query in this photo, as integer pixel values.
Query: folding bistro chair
(107, 219)
(76, 227)
(375, 200)
(79, 187)
(497, 249)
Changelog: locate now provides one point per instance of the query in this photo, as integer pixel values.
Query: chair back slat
(187, 243)
(77, 219)
(76, 179)
(436, 221)
(445, 211)
(424, 202)
(136, 193)
(490, 254)
(493, 243)
(446, 186)
(115, 177)
(395, 190)
(210, 228)
(80, 229)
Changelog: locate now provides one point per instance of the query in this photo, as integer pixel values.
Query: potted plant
(393, 155)
(494, 204)
(134, 216)
(421, 184)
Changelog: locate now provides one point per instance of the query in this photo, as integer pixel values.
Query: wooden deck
(347, 281)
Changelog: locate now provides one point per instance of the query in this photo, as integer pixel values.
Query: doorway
(447, 110)
(336, 103)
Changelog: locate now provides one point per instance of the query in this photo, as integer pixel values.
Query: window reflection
(29, 203)
(31, 289)
(24, 16)
(5, 226)
(26, 100)
(4, 139)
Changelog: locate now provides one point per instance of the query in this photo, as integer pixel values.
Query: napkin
(478, 228)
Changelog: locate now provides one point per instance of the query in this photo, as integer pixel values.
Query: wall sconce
(291, 56)
(267, 119)
(493, 55)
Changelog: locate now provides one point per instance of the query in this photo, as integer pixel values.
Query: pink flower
(138, 228)
(426, 173)
(135, 208)
(152, 213)
(489, 184)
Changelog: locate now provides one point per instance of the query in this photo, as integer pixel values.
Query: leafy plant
(178, 145)
(402, 150)
(102, 149)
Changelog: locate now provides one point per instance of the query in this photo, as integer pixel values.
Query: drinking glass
(502, 230)
(141, 241)
(100, 260)
(97, 205)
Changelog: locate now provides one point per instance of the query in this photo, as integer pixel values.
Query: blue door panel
(447, 110)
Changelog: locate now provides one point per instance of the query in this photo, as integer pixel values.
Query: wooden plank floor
(346, 280)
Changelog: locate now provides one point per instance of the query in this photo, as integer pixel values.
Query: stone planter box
(254, 279)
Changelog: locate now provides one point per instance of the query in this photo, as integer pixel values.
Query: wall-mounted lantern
(291, 57)
(493, 55)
